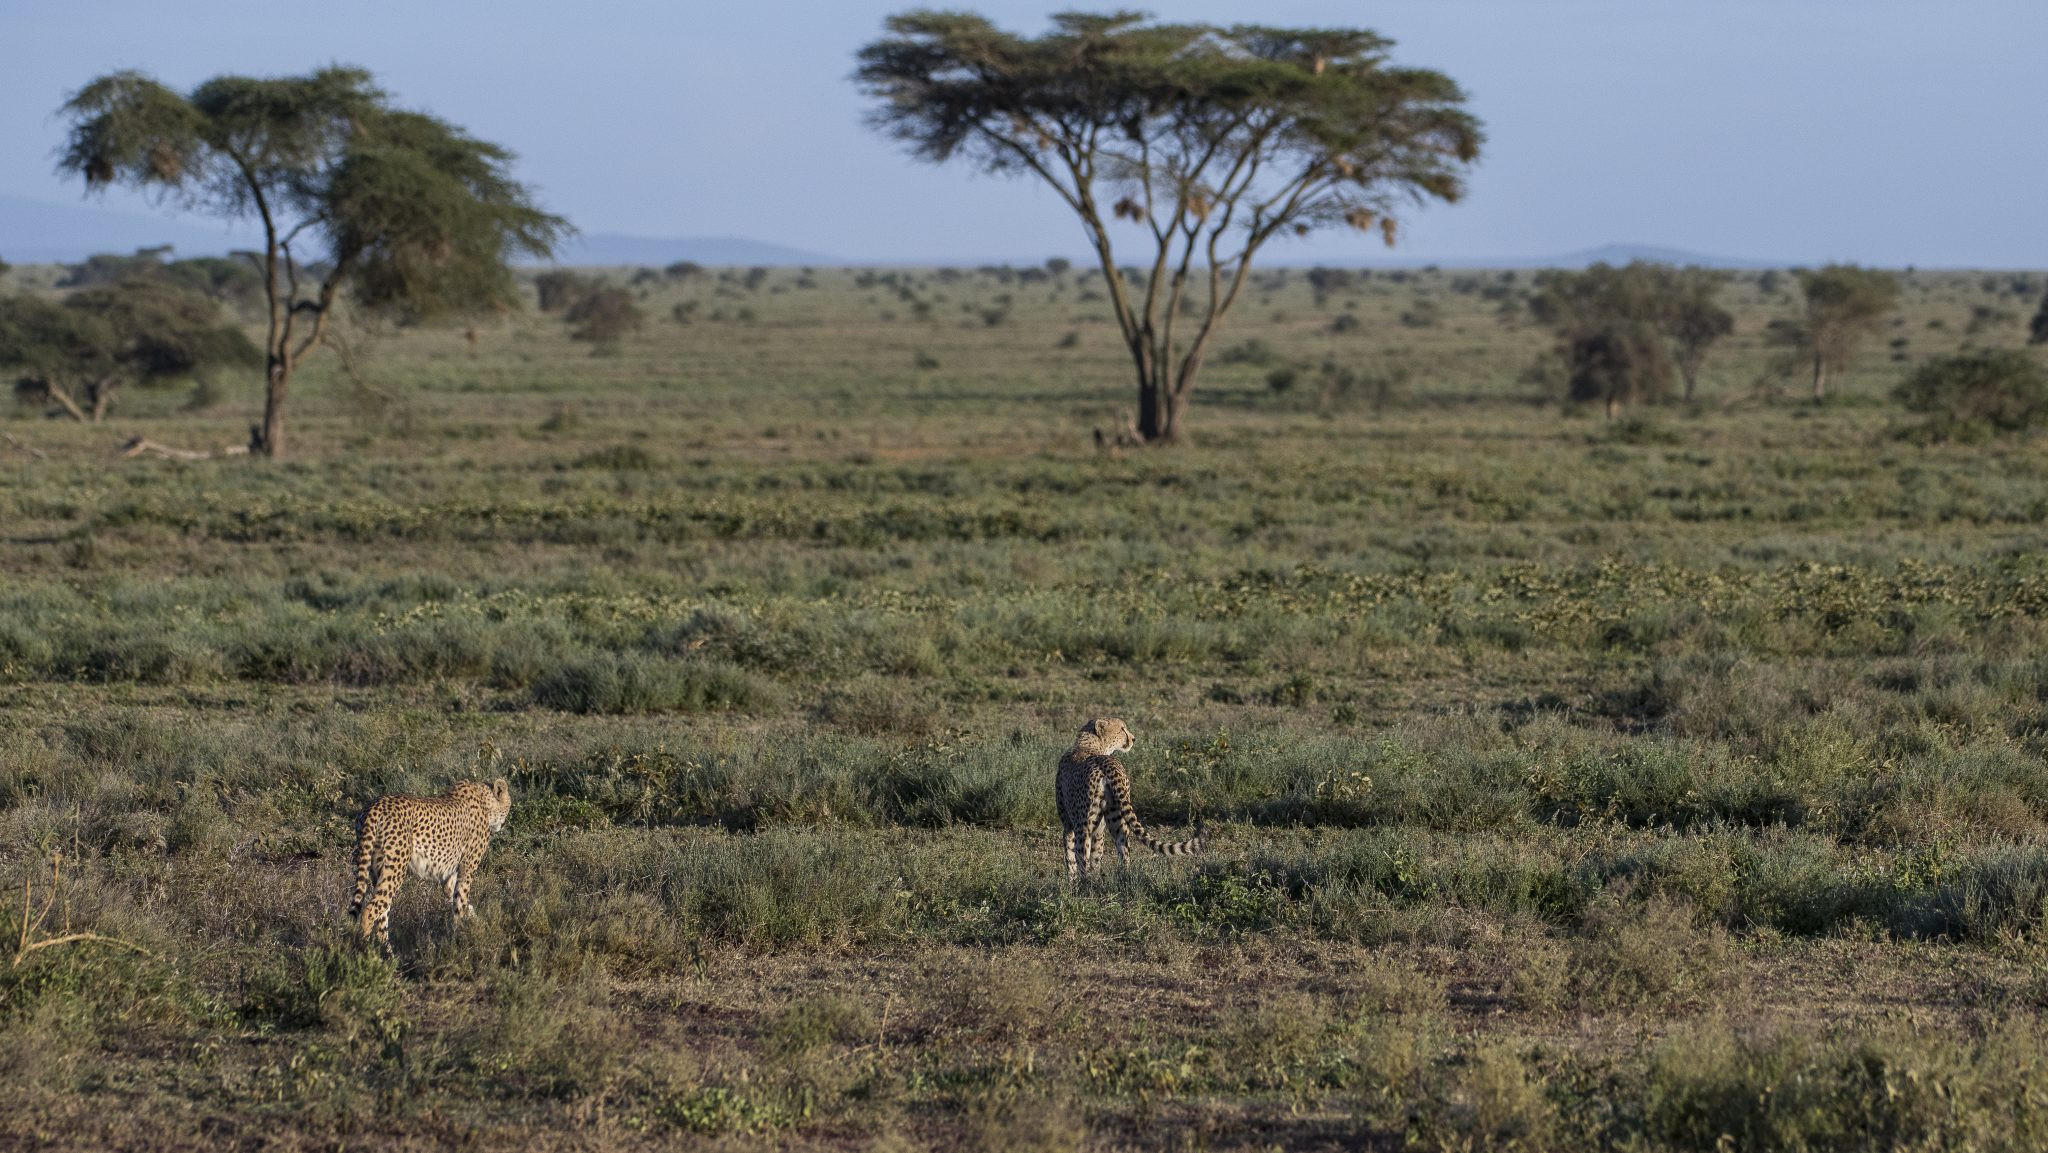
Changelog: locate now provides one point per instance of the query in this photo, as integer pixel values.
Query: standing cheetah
(439, 838)
(1094, 790)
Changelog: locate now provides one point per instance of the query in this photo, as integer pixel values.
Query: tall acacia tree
(1211, 140)
(407, 212)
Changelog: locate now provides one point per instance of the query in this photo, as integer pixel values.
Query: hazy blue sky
(1793, 130)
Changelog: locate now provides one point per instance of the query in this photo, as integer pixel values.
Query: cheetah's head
(1105, 736)
(501, 803)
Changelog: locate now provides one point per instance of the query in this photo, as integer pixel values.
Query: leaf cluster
(1302, 127)
(226, 280)
(417, 215)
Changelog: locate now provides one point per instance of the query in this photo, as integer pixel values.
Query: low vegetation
(1668, 783)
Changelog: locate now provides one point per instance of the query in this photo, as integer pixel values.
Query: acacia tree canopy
(1695, 320)
(408, 213)
(1843, 303)
(141, 329)
(1211, 140)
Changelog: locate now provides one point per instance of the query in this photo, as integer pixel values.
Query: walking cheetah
(1094, 790)
(439, 838)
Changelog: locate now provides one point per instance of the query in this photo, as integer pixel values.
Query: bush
(1972, 393)
(1254, 352)
(604, 316)
(561, 290)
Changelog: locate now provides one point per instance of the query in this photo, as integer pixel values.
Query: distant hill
(1605, 254)
(37, 232)
(603, 248)
(1623, 253)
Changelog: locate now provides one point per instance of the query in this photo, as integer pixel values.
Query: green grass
(1674, 783)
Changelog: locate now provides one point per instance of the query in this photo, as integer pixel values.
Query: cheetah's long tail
(355, 904)
(1127, 815)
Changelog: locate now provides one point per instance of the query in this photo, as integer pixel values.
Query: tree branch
(139, 446)
(62, 396)
(30, 449)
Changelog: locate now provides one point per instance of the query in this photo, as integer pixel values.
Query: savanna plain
(1665, 783)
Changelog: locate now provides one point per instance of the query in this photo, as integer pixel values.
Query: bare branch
(139, 446)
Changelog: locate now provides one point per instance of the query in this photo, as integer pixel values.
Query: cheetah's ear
(503, 788)
(1093, 728)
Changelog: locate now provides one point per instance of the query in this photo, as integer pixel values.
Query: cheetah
(439, 838)
(1094, 791)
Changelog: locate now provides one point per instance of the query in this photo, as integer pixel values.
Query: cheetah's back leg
(1090, 832)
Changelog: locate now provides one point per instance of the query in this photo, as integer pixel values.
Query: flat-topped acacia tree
(408, 213)
(1214, 140)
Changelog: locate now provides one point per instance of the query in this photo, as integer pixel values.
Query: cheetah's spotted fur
(1094, 794)
(439, 838)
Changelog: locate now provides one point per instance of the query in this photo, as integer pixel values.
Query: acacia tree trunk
(283, 347)
(62, 396)
(281, 352)
(1167, 370)
(1159, 412)
(1820, 378)
(268, 437)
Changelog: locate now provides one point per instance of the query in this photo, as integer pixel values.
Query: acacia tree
(1611, 337)
(1843, 304)
(1623, 332)
(140, 329)
(1695, 320)
(408, 213)
(604, 316)
(1211, 140)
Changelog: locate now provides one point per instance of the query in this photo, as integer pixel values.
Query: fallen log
(30, 449)
(137, 446)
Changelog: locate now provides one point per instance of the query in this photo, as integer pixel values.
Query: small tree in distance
(558, 289)
(1844, 303)
(1624, 333)
(410, 214)
(1695, 321)
(1210, 140)
(604, 316)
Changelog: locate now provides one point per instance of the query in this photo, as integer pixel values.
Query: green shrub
(1970, 394)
